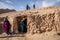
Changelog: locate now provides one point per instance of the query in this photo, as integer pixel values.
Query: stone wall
(37, 22)
(43, 23)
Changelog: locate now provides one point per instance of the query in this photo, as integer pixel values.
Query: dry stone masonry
(38, 20)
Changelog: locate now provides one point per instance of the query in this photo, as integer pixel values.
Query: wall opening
(22, 25)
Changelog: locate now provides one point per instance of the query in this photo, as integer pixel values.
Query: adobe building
(36, 20)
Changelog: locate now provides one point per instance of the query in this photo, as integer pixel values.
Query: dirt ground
(4, 36)
(44, 36)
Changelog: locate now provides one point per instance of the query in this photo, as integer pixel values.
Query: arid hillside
(6, 10)
(42, 23)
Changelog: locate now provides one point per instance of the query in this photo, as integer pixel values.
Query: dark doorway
(22, 26)
(25, 27)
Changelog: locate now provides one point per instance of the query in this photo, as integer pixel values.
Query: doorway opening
(22, 25)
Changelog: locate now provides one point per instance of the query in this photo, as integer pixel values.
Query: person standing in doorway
(21, 26)
(6, 26)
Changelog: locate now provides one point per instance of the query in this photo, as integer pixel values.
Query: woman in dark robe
(6, 26)
(21, 26)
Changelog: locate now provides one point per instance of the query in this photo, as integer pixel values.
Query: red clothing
(5, 27)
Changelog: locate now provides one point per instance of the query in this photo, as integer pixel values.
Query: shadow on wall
(1, 28)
